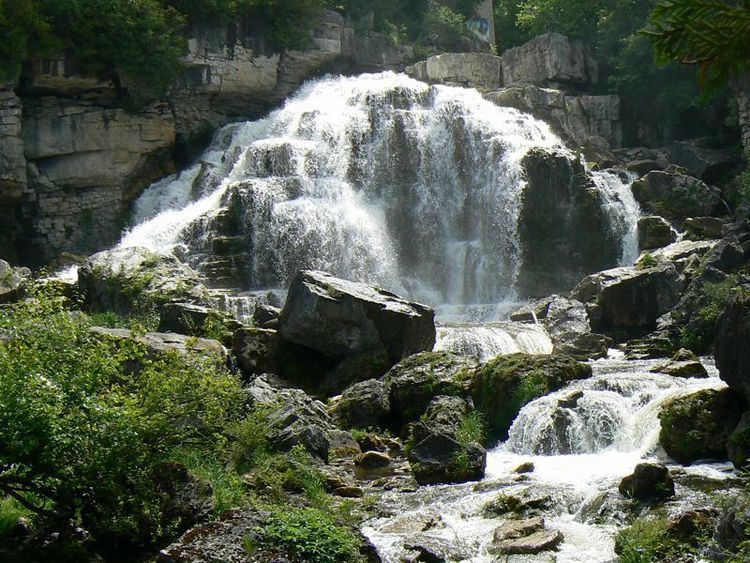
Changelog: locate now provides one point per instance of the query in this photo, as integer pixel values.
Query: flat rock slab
(160, 343)
(543, 540)
(516, 529)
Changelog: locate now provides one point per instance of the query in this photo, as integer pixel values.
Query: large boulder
(502, 386)
(655, 232)
(649, 481)
(12, 282)
(127, 280)
(702, 159)
(345, 320)
(630, 298)
(683, 364)
(413, 382)
(676, 196)
(698, 425)
(564, 231)
(437, 450)
(197, 320)
(731, 343)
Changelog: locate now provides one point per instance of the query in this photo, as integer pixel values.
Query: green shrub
(84, 432)
(312, 535)
(698, 334)
(473, 428)
(647, 541)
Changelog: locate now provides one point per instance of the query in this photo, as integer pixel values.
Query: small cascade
(490, 340)
(622, 211)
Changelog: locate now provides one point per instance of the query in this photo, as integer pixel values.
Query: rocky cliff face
(72, 160)
(548, 77)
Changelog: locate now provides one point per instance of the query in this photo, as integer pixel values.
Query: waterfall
(488, 341)
(377, 178)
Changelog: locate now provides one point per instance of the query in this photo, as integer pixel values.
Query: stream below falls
(582, 441)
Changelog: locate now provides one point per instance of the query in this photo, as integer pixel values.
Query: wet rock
(655, 232)
(266, 316)
(502, 386)
(703, 228)
(373, 460)
(526, 502)
(698, 425)
(372, 443)
(683, 254)
(563, 230)
(343, 319)
(538, 542)
(12, 282)
(527, 467)
(348, 492)
(363, 405)
(683, 364)
(649, 481)
(343, 444)
(127, 280)
(426, 549)
(587, 346)
(676, 196)
(414, 382)
(515, 529)
(630, 298)
(436, 451)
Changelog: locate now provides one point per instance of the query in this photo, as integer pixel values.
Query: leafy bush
(698, 335)
(647, 541)
(312, 535)
(84, 432)
(473, 428)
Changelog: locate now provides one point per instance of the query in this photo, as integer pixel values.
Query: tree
(715, 36)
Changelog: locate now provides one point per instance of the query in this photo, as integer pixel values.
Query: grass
(473, 428)
(647, 541)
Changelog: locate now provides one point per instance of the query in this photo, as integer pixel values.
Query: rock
(550, 60)
(526, 502)
(518, 529)
(649, 481)
(731, 528)
(355, 322)
(363, 405)
(563, 230)
(592, 123)
(127, 280)
(158, 344)
(697, 426)
(683, 364)
(12, 282)
(730, 348)
(677, 196)
(258, 351)
(428, 549)
(655, 232)
(702, 228)
(502, 386)
(643, 167)
(538, 542)
(348, 492)
(631, 298)
(589, 346)
(475, 70)
(436, 451)
(266, 316)
(527, 467)
(702, 160)
(738, 446)
(683, 254)
(343, 445)
(188, 498)
(693, 525)
(413, 383)
(295, 418)
(196, 320)
(373, 460)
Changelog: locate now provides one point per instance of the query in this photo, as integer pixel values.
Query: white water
(623, 394)
(376, 178)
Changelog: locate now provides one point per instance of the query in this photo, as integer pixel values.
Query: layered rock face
(547, 77)
(12, 167)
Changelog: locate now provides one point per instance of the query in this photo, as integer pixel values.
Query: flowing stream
(582, 440)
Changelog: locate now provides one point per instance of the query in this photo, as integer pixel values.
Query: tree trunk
(742, 90)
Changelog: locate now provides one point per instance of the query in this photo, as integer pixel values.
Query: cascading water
(581, 440)
(377, 178)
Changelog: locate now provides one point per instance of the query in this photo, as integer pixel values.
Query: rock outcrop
(655, 232)
(649, 481)
(12, 169)
(563, 229)
(475, 70)
(698, 425)
(731, 349)
(12, 282)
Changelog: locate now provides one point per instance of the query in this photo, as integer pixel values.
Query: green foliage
(228, 489)
(698, 335)
(575, 18)
(713, 34)
(24, 30)
(86, 422)
(647, 541)
(473, 428)
(312, 535)
(10, 512)
(647, 261)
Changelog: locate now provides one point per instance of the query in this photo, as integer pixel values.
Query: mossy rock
(502, 386)
(698, 426)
